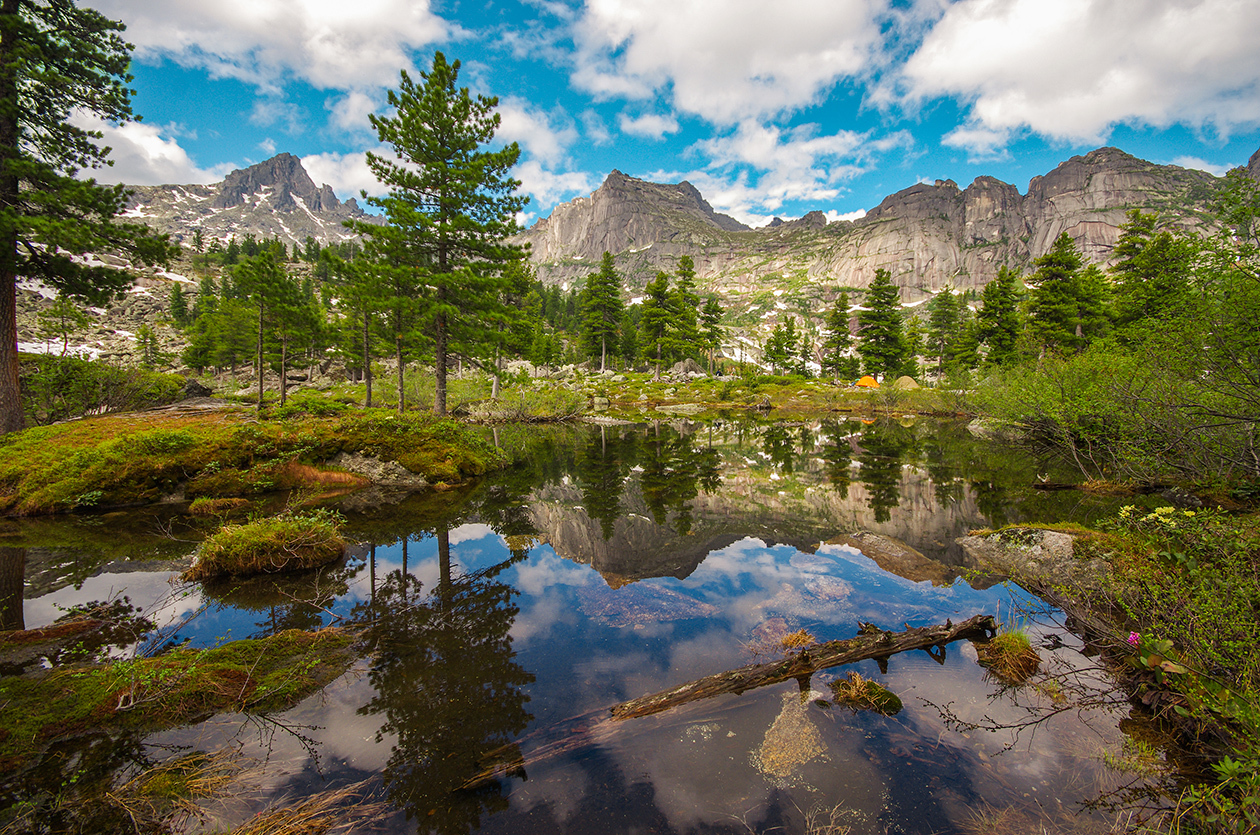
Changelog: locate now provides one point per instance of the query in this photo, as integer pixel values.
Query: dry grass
(346, 809)
(1009, 657)
(799, 638)
(216, 507)
(167, 793)
(863, 694)
(1104, 487)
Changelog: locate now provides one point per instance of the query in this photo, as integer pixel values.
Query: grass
(290, 541)
(1009, 657)
(254, 676)
(861, 693)
(141, 458)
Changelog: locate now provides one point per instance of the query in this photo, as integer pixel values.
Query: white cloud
(143, 156)
(547, 188)
(649, 125)
(350, 112)
(726, 60)
(329, 43)
(543, 136)
(1073, 69)
(596, 131)
(833, 215)
(348, 174)
(1203, 165)
(268, 145)
(799, 164)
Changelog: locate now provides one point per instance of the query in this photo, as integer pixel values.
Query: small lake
(611, 562)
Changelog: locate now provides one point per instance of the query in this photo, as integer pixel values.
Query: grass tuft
(287, 542)
(1010, 657)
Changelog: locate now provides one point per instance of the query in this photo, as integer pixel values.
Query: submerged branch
(580, 731)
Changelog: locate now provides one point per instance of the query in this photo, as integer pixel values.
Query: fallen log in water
(581, 731)
(871, 644)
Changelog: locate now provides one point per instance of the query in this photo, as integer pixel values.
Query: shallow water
(613, 562)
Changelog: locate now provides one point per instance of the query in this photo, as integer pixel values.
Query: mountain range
(929, 236)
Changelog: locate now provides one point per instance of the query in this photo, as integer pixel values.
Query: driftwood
(872, 643)
(580, 731)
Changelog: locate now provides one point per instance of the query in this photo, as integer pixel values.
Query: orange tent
(868, 382)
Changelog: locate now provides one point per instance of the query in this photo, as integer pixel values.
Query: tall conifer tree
(450, 208)
(55, 60)
(881, 336)
(602, 309)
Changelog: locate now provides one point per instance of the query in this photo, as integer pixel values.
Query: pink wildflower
(1134, 638)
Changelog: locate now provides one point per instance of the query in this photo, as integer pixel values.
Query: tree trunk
(398, 352)
(12, 588)
(580, 731)
(11, 418)
(260, 353)
(367, 361)
(603, 353)
(439, 351)
(284, 368)
(498, 363)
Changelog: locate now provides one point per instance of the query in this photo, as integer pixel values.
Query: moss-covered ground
(253, 676)
(142, 457)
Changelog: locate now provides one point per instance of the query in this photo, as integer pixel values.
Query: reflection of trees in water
(447, 683)
(12, 584)
(674, 472)
(883, 444)
(600, 470)
(837, 453)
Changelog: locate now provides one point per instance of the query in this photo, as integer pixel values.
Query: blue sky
(770, 109)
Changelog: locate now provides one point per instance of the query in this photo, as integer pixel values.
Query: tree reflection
(884, 443)
(447, 684)
(674, 472)
(601, 473)
(837, 452)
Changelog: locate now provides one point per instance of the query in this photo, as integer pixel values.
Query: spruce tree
(1151, 275)
(654, 321)
(450, 209)
(179, 305)
(601, 310)
(839, 340)
(942, 326)
(881, 338)
(998, 323)
(686, 337)
(711, 330)
(57, 60)
(1067, 307)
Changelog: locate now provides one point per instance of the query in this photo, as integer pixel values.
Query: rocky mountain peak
(1253, 166)
(278, 180)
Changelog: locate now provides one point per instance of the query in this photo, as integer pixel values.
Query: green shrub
(59, 388)
(288, 542)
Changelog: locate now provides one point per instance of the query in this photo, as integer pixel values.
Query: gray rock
(381, 473)
(1038, 557)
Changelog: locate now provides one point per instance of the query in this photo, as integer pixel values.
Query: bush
(59, 388)
(288, 542)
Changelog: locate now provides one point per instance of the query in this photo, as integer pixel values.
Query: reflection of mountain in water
(800, 486)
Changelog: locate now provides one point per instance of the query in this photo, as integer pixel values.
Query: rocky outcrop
(928, 236)
(1036, 557)
(274, 199)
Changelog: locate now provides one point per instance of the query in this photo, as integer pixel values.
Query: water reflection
(614, 561)
(446, 681)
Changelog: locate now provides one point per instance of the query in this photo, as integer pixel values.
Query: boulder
(383, 473)
(686, 367)
(1040, 558)
(196, 388)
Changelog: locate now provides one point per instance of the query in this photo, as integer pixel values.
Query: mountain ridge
(927, 235)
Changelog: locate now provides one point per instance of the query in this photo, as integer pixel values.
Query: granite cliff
(274, 199)
(928, 236)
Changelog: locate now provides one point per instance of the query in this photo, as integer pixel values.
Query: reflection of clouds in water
(470, 532)
(158, 593)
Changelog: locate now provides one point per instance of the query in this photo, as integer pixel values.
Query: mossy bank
(150, 457)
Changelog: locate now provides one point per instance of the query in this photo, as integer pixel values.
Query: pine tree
(685, 306)
(942, 326)
(881, 338)
(602, 308)
(1067, 307)
(835, 347)
(57, 60)
(61, 320)
(711, 330)
(1151, 275)
(654, 321)
(999, 323)
(179, 305)
(450, 208)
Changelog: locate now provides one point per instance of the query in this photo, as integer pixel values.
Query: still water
(616, 561)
